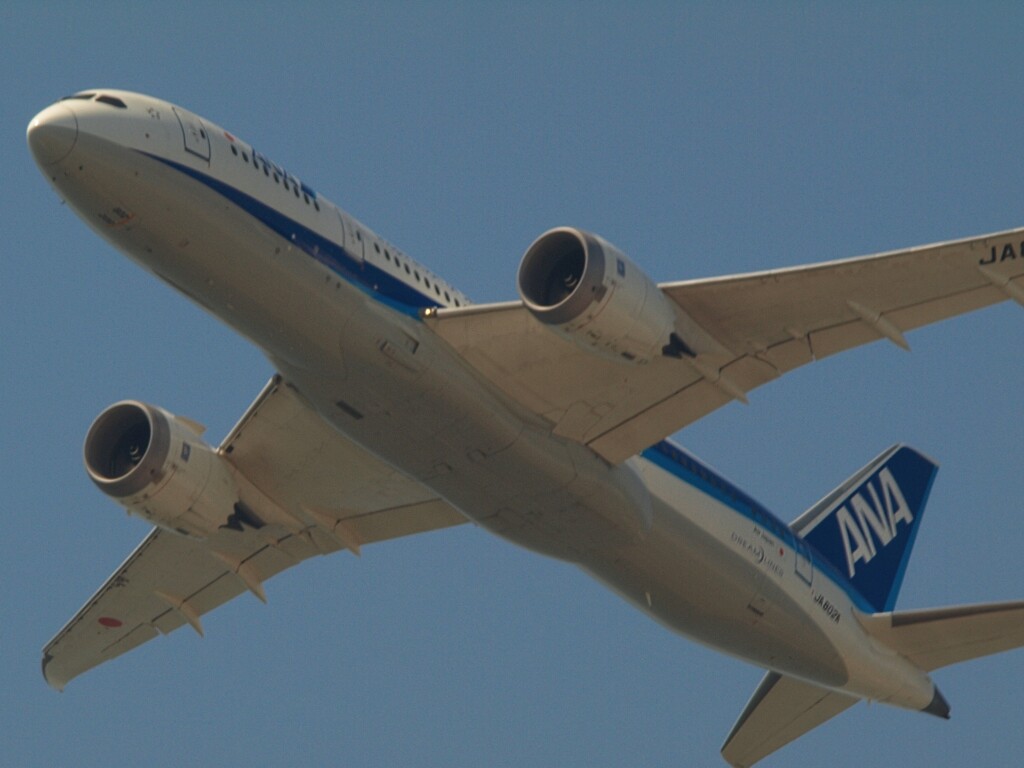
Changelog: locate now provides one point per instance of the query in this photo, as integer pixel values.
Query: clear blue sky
(702, 140)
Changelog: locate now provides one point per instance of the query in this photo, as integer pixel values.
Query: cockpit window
(112, 101)
(89, 96)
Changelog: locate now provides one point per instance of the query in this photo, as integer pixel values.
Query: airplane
(398, 406)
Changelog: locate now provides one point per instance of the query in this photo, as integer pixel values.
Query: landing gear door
(197, 140)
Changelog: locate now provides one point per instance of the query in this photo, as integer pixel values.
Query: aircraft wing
(782, 709)
(339, 495)
(765, 324)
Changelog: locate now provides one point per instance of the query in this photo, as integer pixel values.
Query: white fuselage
(338, 312)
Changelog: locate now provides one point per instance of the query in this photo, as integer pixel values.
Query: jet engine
(589, 292)
(157, 466)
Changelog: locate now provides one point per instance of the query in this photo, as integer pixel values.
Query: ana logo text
(867, 524)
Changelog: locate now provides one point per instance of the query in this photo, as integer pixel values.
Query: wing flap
(789, 354)
(932, 311)
(781, 710)
(404, 521)
(644, 428)
(839, 338)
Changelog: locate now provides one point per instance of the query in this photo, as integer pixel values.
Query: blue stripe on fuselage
(684, 466)
(374, 281)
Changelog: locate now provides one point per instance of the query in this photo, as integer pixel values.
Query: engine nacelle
(588, 291)
(156, 466)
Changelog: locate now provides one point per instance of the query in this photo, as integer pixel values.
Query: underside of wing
(167, 582)
(586, 398)
(330, 494)
(317, 475)
(735, 333)
(782, 709)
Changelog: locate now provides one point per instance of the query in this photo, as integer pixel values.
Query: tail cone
(939, 706)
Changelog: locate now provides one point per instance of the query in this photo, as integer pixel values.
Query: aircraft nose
(52, 134)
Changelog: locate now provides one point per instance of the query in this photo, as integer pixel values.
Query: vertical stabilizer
(866, 527)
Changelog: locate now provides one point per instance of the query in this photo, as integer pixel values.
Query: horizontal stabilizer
(938, 637)
(782, 709)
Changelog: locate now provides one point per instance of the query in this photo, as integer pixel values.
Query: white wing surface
(782, 709)
(765, 324)
(339, 496)
(937, 637)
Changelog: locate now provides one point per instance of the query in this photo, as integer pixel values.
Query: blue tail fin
(866, 527)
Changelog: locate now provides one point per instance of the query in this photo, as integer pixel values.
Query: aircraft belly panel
(686, 578)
